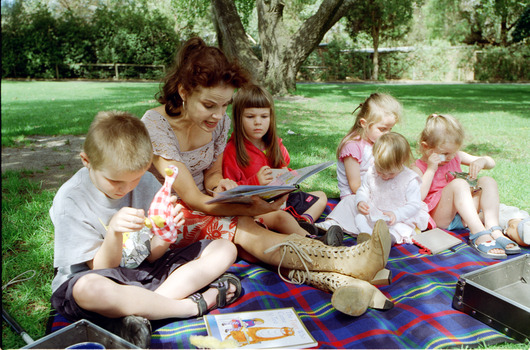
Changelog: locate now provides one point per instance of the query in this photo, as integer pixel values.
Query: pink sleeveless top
(441, 178)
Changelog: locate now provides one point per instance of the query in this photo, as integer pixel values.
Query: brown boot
(361, 261)
(350, 295)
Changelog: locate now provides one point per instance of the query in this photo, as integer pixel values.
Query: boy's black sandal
(222, 284)
(135, 329)
(198, 299)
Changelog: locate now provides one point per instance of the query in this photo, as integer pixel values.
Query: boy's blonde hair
(372, 110)
(441, 129)
(255, 96)
(118, 140)
(391, 153)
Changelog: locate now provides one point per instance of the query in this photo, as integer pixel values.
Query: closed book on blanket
(435, 241)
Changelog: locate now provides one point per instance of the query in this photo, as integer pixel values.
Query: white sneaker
(326, 224)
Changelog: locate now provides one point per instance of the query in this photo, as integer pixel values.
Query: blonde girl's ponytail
(440, 129)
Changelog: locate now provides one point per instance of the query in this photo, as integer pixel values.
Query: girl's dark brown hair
(198, 65)
(255, 96)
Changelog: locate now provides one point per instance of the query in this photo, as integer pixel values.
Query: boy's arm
(158, 248)
(109, 254)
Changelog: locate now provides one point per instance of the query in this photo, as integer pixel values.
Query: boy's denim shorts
(148, 275)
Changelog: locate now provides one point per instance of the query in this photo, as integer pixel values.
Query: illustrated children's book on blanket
(275, 328)
(285, 182)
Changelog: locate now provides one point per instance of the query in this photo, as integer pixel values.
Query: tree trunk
(231, 36)
(504, 32)
(282, 52)
(376, 28)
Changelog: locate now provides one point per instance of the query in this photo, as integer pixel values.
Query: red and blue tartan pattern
(422, 290)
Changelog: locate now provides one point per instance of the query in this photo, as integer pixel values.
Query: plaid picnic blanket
(422, 290)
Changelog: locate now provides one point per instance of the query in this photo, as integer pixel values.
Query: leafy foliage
(387, 19)
(471, 22)
(496, 64)
(522, 27)
(37, 44)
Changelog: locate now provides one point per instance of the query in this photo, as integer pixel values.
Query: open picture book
(285, 182)
(275, 328)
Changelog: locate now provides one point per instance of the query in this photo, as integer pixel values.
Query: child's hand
(127, 220)
(178, 215)
(364, 208)
(264, 175)
(433, 161)
(392, 217)
(475, 167)
(225, 184)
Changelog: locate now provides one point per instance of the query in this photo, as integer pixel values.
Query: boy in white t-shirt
(93, 211)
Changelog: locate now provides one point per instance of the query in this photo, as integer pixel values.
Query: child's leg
(104, 296)
(282, 222)
(456, 197)
(489, 203)
(318, 207)
(361, 223)
(343, 215)
(215, 259)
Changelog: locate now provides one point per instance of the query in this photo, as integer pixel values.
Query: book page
(294, 177)
(242, 194)
(276, 328)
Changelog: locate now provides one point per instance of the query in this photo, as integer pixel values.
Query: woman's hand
(259, 206)
(264, 175)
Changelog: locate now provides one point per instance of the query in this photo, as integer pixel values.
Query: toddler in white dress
(391, 191)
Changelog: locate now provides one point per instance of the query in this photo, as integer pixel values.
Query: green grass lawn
(496, 119)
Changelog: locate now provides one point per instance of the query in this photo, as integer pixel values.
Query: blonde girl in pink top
(451, 201)
(377, 116)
